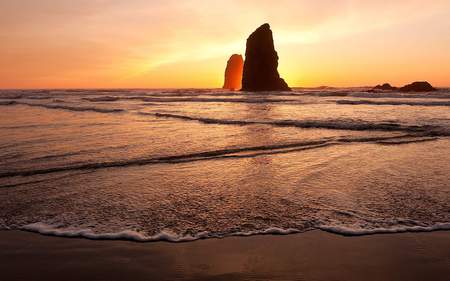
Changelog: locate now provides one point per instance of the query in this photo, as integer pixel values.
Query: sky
(186, 44)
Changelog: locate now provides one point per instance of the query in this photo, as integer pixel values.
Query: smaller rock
(418, 87)
(385, 87)
(233, 73)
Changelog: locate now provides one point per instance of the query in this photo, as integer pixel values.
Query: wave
(63, 155)
(417, 140)
(240, 152)
(45, 180)
(102, 99)
(11, 96)
(5, 103)
(327, 94)
(197, 97)
(53, 125)
(168, 236)
(365, 94)
(38, 97)
(207, 155)
(336, 124)
(121, 235)
(64, 107)
(348, 231)
(410, 103)
(249, 99)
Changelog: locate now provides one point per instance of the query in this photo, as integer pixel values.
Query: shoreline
(132, 236)
(312, 255)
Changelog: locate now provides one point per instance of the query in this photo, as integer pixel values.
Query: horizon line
(170, 88)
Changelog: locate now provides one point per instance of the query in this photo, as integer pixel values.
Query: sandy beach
(314, 255)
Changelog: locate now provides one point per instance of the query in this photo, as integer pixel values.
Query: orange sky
(171, 43)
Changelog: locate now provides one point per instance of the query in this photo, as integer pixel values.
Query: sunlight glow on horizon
(168, 44)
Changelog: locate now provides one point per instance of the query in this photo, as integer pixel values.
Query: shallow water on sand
(185, 164)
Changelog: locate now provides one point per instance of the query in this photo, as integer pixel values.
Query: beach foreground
(313, 255)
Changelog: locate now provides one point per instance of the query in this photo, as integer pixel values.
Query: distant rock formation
(385, 87)
(413, 87)
(261, 63)
(418, 87)
(233, 73)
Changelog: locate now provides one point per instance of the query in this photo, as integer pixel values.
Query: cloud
(116, 38)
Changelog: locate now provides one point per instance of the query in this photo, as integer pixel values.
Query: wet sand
(314, 255)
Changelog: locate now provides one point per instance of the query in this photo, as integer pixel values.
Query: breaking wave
(337, 124)
(65, 107)
(5, 103)
(241, 152)
(169, 236)
(102, 99)
(364, 93)
(46, 229)
(135, 236)
(176, 98)
(410, 103)
(348, 231)
(251, 99)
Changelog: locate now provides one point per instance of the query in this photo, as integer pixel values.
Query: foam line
(64, 107)
(169, 236)
(336, 124)
(410, 103)
(241, 152)
(348, 231)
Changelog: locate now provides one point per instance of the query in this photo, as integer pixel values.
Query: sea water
(184, 164)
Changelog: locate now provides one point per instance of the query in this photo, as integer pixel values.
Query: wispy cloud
(125, 39)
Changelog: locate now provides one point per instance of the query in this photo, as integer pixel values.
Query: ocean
(187, 164)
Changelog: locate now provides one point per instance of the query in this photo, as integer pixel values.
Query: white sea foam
(394, 229)
(3, 225)
(131, 235)
(391, 102)
(238, 152)
(64, 107)
(333, 124)
(169, 236)
(270, 230)
(55, 230)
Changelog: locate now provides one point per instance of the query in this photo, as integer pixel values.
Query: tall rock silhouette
(261, 63)
(233, 73)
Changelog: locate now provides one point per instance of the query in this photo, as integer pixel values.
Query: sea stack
(385, 87)
(418, 87)
(261, 63)
(233, 73)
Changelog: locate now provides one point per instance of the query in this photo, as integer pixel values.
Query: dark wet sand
(313, 255)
